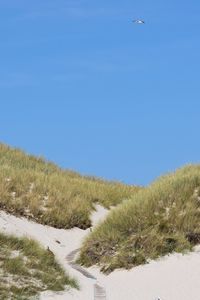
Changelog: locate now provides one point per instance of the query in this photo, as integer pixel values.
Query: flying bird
(139, 21)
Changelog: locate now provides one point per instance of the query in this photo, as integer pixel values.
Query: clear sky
(85, 87)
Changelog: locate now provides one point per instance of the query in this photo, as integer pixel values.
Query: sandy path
(71, 261)
(175, 277)
(99, 290)
(69, 240)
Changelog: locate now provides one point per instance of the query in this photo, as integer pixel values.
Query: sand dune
(175, 277)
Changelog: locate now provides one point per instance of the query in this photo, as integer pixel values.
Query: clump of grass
(38, 189)
(26, 269)
(163, 218)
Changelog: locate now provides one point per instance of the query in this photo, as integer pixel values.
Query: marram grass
(161, 219)
(26, 269)
(32, 187)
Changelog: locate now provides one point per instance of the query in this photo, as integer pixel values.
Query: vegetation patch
(161, 219)
(40, 190)
(27, 269)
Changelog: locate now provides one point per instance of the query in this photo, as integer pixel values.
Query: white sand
(175, 277)
(47, 236)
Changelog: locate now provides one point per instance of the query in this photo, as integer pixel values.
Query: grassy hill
(27, 269)
(32, 187)
(160, 219)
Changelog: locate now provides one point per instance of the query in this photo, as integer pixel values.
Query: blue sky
(85, 87)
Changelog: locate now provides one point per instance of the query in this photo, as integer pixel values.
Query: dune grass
(163, 218)
(27, 269)
(40, 190)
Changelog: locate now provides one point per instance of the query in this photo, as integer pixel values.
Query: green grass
(27, 269)
(32, 187)
(161, 219)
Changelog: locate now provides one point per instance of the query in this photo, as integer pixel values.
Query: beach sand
(174, 277)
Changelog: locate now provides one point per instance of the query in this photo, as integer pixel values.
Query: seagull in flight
(139, 21)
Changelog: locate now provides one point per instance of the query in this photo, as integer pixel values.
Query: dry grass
(159, 220)
(27, 269)
(40, 190)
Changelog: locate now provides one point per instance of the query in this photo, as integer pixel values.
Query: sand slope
(69, 240)
(175, 277)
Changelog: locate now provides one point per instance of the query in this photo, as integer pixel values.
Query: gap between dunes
(171, 278)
